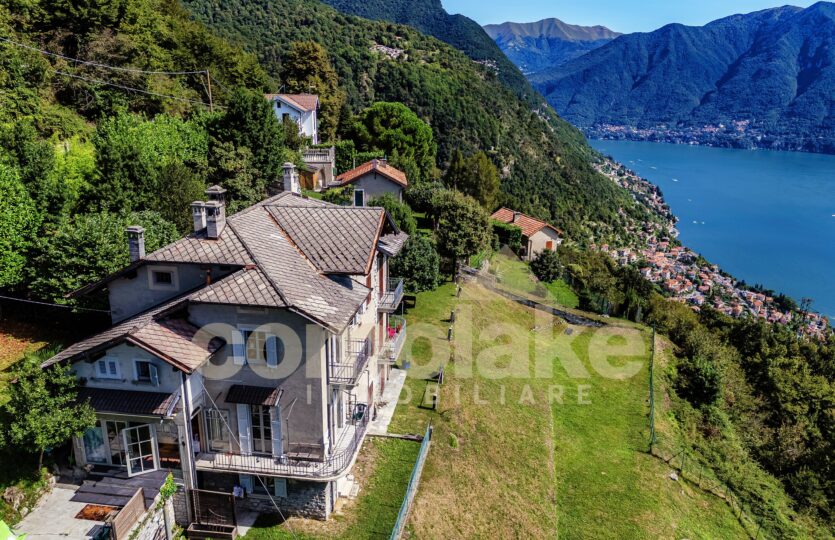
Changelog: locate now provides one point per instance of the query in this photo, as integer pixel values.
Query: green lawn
(515, 275)
(508, 462)
(384, 468)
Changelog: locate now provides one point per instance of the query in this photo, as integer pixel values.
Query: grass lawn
(522, 453)
(515, 275)
(383, 468)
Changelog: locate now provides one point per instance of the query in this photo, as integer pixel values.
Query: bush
(400, 212)
(341, 195)
(699, 381)
(418, 264)
(546, 266)
(509, 234)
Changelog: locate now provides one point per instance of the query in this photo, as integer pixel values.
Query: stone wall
(181, 512)
(304, 499)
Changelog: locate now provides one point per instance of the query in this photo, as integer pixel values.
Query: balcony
(392, 296)
(347, 370)
(344, 452)
(395, 339)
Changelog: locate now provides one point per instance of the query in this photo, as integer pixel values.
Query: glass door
(141, 449)
(113, 432)
(262, 437)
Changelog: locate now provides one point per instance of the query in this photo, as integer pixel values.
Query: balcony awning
(253, 395)
(105, 400)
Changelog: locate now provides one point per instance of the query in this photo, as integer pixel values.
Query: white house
(301, 108)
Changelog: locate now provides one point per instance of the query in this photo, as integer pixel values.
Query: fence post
(652, 439)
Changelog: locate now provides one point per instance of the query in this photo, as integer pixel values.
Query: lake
(763, 216)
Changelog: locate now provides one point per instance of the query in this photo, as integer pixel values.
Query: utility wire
(238, 442)
(53, 305)
(129, 88)
(96, 64)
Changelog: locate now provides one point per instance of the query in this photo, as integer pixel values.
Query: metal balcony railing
(348, 369)
(331, 466)
(395, 339)
(392, 296)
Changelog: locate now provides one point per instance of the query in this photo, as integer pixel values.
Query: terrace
(346, 370)
(392, 297)
(395, 339)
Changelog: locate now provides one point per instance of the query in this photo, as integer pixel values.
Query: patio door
(141, 449)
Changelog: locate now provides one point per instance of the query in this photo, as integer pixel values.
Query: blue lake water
(766, 217)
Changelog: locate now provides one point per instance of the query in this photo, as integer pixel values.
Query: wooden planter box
(215, 532)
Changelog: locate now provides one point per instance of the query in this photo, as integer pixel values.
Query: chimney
(516, 216)
(215, 211)
(198, 214)
(291, 178)
(136, 242)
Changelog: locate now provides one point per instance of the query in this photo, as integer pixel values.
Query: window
(216, 425)
(108, 368)
(359, 197)
(262, 434)
(163, 278)
(262, 347)
(274, 487)
(146, 372)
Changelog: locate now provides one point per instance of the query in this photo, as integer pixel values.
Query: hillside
(463, 33)
(544, 161)
(548, 43)
(768, 76)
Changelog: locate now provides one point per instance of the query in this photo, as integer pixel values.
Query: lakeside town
(685, 275)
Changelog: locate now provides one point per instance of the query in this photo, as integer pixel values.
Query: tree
(234, 168)
(396, 130)
(475, 176)
(463, 227)
(42, 411)
(249, 122)
(699, 380)
(418, 264)
(546, 266)
(19, 222)
(87, 247)
(399, 212)
(181, 186)
(307, 69)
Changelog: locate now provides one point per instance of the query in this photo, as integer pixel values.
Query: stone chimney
(136, 242)
(215, 211)
(516, 216)
(198, 214)
(291, 178)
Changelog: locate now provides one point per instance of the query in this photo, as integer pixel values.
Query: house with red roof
(537, 235)
(372, 179)
(300, 108)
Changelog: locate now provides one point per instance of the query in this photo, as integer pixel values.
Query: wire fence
(687, 467)
(411, 489)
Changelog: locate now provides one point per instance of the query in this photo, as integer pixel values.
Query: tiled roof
(392, 243)
(170, 339)
(245, 287)
(528, 224)
(336, 239)
(133, 402)
(375, 165)
(197, 248)
(295, 278)
(253, 395)
(304, 102)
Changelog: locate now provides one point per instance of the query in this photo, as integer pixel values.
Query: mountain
(463, 33)
(547, 43)
(765, 79)
(545, 163)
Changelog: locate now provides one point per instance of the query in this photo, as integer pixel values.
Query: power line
(53, 305)
(129, 88)
(96, 64)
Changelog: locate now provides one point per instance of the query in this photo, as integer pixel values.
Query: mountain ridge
(546, 43)
(762, 79)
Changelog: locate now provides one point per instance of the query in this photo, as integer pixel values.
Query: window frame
(153, 371)
(156, 286)
(108, 361)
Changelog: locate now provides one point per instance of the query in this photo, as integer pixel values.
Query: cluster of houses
(679, 271)
(249, 357)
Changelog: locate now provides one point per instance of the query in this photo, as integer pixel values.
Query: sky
(619, 15)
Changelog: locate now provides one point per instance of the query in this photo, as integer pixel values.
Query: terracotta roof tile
(305, 102)
(375, 165)
(528, 224)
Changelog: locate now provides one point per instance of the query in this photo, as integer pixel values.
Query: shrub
(418, 264)
(400, 212)
(699, 381)
(546, 266)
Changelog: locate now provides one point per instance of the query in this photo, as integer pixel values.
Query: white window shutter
(154, 374)
(244, 429)
(246, 483)
(238, 348)
(280, 487)
(275, 427)
(272, 351)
